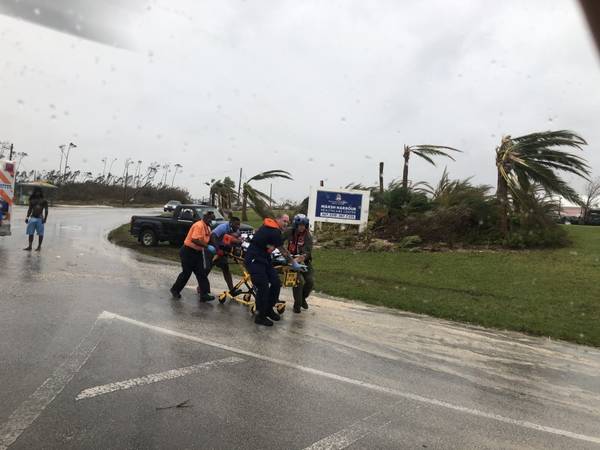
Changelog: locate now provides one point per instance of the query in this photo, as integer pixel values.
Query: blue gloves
(211, 249)
(298, 267)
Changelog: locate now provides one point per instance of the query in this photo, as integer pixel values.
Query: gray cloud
(325, 90)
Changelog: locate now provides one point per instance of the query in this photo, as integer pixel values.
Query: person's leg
(30, 232)
(40, 232)
(298, 294)
(309, 284)
(274, 289)
(187, 267)
(260, 282)
(201, 271)
(30, 246)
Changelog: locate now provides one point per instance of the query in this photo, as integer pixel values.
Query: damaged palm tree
(425, 152)
(258, 200)
(537, 158)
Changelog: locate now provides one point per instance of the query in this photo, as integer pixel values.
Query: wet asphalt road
(82, 319)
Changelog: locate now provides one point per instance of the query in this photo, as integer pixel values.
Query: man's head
(37, 192)
(234, 223)
(283, 220)
(208, 217)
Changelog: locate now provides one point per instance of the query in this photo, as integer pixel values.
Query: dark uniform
(258, 263)
(301, 244)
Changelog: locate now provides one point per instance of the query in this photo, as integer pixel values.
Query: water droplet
(37, 11)
(331, 165)
(51, 106)
(66, 113)
(159, 136)
(78, 27)
(343, 119)
(53, 117)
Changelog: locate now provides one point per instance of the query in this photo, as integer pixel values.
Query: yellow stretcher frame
(247, 296)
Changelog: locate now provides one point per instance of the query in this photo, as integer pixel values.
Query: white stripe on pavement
(348, 436)
(156, 377)
(31, 408)
(363, 384)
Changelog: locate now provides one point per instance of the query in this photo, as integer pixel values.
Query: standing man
(258, 263)
(229, 229)
(37, 214)
(196, 255)
(300, 245)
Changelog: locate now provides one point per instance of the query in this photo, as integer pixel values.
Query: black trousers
(266, 282)
(196, 262)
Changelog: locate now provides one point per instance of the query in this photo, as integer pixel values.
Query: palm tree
(426, 152)
(535, 159)
(257, 199)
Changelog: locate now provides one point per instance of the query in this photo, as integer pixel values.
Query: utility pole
(381, 177)
(11, 151)
(270, 195)
(104, 169)
(239, 186)
(110, 169)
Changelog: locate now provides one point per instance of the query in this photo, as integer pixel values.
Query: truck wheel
(148, 238)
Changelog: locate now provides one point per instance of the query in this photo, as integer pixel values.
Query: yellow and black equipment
(247, 295)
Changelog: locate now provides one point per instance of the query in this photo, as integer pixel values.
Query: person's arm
(308, 246)
(29, 210)
(45, 212)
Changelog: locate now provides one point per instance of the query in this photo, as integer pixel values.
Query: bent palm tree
(426, 152)
(256, 198)
(535, 159)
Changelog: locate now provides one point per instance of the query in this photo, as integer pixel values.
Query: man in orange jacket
(196, 255)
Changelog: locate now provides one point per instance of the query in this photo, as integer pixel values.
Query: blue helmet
(300, 219)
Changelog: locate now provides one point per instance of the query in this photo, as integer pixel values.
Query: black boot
(271, 314)
(304, 304)
(262, 320)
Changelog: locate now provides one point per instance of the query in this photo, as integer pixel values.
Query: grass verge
(552, 293)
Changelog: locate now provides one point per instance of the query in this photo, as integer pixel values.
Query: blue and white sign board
(347, 206)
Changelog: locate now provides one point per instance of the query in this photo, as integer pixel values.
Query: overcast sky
(323, 89)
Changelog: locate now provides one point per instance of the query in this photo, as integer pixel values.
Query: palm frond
(424, 156)
(271, 174)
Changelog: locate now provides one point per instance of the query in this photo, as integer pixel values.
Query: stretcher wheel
(222, 298)
(280, 308)
(252, 309)
(247, 297)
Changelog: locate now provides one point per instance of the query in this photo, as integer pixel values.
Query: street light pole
(104, 169)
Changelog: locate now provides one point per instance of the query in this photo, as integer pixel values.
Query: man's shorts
(35, 225)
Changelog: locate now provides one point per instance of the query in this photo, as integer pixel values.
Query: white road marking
(31, 408)
(363, 384)
(348, 436)
(156, 377)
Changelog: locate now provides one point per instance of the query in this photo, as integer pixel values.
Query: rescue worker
(223, 237)
(196, 256)
(37, 214)
(299, 244)
(258, 263)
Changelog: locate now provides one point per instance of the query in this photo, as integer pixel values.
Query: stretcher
(246, 293)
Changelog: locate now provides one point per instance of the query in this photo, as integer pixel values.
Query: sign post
(346, 206)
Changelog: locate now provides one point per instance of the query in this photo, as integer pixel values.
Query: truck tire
(148, 237)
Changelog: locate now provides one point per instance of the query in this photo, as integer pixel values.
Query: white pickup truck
(7, 194)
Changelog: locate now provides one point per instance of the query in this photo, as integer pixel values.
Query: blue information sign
(338, 205)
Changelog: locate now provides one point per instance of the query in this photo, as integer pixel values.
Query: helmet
(300, 219)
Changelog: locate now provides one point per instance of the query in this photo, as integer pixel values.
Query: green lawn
(544, 292)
